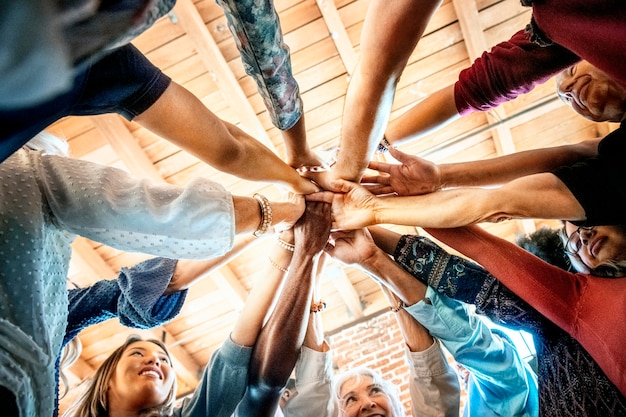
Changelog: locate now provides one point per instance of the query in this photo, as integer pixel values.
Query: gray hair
(357, 373)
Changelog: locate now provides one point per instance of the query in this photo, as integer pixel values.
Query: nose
(153, 359)
(367, 404)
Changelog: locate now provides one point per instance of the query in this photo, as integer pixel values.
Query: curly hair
(546, 243)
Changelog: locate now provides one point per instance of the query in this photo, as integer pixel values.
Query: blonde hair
(94, 403)
(388, 388)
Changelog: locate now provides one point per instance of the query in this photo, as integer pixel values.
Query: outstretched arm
(389, 36)
(181, 118)
(534, 196)
(278, 345)
(414, 175)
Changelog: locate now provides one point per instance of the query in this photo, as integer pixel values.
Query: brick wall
(376, 343)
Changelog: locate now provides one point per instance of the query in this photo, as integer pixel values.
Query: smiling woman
(138, 375)
(598, 250)
(362, 388)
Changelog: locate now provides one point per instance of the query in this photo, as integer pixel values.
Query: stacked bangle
(266, 214)
(397, 308)
(285, 245)
(318, 307)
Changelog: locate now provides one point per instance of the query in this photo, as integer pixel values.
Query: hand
(414, 176)
(312, 229)
(304, 186)
(353, 207)
(352, 247)
(286, 214)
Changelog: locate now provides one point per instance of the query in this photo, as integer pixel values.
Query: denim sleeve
(463, 280)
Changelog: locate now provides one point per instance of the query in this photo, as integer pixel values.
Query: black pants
(9, 405)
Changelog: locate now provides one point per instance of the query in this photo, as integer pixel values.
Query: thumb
(343, 186)
(398, 155)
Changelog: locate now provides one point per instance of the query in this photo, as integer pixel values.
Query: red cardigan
(593, 30)
(590, 308)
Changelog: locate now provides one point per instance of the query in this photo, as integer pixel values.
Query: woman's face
(142, 379)
(363, 398)
(598, 244)
(592, 93)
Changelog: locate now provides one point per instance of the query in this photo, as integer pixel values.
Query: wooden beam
(344, 287)
(208, 51)
(230, 285)
(126, 147)
(338, 34)
(476, 44)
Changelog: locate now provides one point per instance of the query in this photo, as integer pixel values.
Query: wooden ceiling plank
(476, 44)
(126, 147)
(338, 34)
(344, 287)
(213, 59)
(228, 282)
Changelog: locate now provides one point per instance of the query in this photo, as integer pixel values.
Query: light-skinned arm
(389, 36)
(534, 196)
(181, 118)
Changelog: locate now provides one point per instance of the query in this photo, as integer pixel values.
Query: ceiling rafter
(209, 53)
(345, 289)
(125, 146)
(338, 34)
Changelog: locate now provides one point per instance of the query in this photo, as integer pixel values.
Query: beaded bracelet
(266, 214)
(275, 265)
(397, 308)
(285, 245)
(318, 307)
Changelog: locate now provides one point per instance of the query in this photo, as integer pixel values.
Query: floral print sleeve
(465, 281)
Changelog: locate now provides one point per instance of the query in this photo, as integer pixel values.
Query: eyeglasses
(574, 242)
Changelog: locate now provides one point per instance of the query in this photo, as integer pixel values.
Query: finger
(379, 166)
(343, 186)
(399, 155)
(379, 189)
(376, 179)
(322, 196)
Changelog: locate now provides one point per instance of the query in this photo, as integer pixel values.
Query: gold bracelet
(399, 307)
(286, 245)
(318, 307)
(275, 265)
(266, 214)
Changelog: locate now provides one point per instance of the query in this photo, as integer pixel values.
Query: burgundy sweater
(591, 309)
(594, 30)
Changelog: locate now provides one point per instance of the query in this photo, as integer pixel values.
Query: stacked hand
(413, 176)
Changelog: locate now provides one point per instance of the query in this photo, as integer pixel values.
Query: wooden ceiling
(194, 47)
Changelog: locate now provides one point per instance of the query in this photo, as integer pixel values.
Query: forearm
(263, 295)
(396, 279)
(536, 196)
(384, 55)
(506, 168)
(430, 114)
(187, 272)
(248, 213)
(185, 121)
